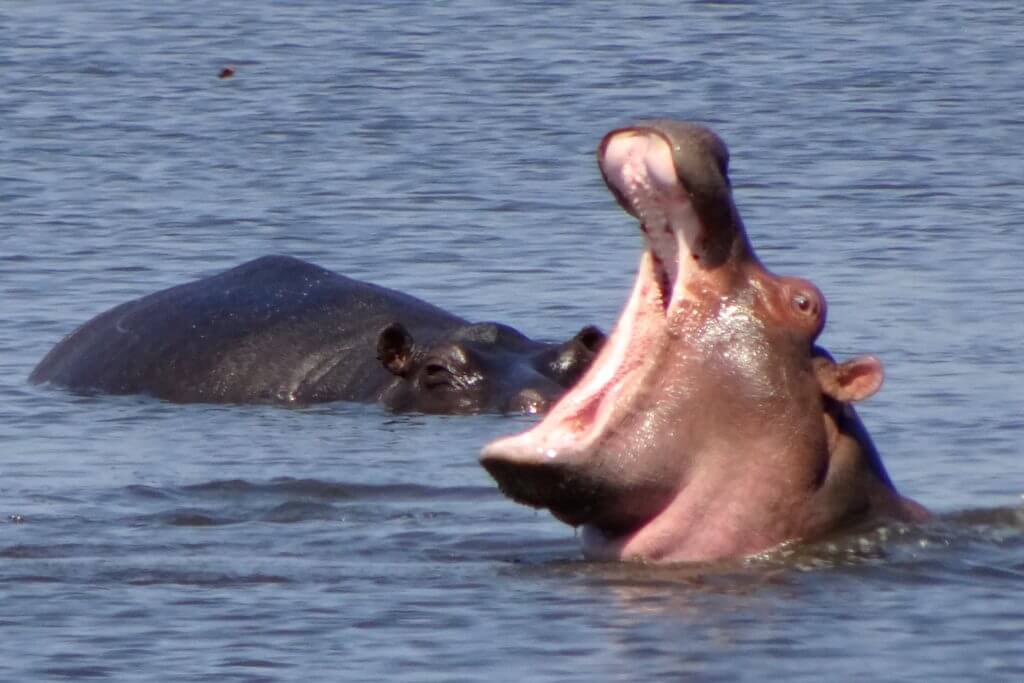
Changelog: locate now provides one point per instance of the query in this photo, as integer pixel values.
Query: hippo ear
(591, 337)
(854, 380)
(394, 349)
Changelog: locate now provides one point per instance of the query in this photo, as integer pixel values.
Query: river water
(447, 150)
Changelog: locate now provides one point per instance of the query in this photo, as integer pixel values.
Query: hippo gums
(281, 330)
(710, 426)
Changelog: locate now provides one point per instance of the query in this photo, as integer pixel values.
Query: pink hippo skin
(710, 426)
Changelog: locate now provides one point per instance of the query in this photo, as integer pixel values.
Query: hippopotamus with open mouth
(282, 330)
(710, 426)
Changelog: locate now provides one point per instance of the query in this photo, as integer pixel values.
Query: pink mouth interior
(639, 165)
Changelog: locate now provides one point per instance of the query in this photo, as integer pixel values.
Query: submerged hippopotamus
(710, 426)
(281, 330)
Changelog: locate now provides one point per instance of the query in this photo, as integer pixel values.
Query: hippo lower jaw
(578, 422)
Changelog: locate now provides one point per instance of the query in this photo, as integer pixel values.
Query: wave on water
(329, 490)
(287, 500)
(902, 544)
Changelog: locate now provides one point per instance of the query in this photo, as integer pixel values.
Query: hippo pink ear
(394, 349)
(853, 380)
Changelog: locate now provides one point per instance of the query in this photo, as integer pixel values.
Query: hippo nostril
(529, 401)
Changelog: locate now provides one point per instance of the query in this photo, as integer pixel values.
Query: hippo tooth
(640, 166)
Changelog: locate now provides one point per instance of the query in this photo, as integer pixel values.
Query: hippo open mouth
(710, 425)
(543, 467)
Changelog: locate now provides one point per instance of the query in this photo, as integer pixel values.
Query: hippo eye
(437, 375)
(803, 303)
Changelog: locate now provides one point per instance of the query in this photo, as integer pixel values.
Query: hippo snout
(577, 488)
(539, 484)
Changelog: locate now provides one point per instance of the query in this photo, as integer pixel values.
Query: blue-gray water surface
(447, 150)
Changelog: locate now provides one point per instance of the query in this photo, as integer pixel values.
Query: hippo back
(267, 330)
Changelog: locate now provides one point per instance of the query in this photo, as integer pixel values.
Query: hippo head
(483, 367)
(710, 425)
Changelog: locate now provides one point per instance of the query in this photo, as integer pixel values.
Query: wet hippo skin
(710, 426)
(282, 330)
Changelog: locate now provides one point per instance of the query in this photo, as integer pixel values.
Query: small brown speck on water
(226, 72)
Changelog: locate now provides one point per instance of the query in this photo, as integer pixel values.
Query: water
(448, 151)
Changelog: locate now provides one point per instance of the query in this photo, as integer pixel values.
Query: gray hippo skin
(710, 426)
(281, 330)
